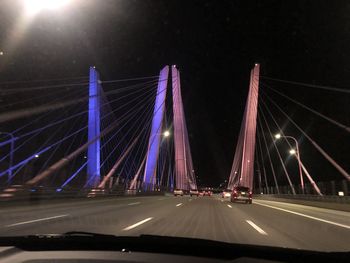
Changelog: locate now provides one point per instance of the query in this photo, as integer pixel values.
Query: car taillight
(250, 194)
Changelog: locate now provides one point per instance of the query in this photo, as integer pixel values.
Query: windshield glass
(114, 113)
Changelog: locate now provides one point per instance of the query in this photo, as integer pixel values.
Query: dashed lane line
(256, 227)
(138, 224)
(36, 220)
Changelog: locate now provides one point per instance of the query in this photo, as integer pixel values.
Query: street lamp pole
(299, 161)
(12, 145)
(297, 154)
(165, 134)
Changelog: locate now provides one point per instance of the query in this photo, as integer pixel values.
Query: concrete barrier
(13, 195)
(330, 202)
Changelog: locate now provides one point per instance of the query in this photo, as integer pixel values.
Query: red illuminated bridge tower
(243, 163)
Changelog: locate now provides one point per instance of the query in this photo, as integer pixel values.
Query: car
(194, 192)
(226, 193)
(241, 193)
(207, 193)
(178, 192)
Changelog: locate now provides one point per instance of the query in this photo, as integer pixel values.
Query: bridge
(87, 154)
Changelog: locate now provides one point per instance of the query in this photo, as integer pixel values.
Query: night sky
(214, 44)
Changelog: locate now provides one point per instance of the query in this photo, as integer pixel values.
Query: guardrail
(18, 193)
(331, 188)
(330, 202)
(318, 198)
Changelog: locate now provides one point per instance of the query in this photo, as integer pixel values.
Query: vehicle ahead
(207, 192)
(241, 193)
(194, 192)
(178, 192)
(226, 193)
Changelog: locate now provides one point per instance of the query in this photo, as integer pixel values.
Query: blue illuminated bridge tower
(183, 166)
(94, 155)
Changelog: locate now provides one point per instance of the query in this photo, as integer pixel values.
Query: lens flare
(35, 6)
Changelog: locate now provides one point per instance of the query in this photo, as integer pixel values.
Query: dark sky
(214, 44)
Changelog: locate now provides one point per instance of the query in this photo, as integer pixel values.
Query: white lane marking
(138, 223)
(36, 220)
(136, 203)
(160, 199)
(222, 200)
(179, 204)
(229, 206)
(256, 227)
(307, 216)
(189, 200)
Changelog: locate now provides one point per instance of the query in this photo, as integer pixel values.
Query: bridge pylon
(94, 129)
(242, 171)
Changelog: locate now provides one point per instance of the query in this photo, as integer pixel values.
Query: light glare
(35, 6)
(278, 136)
(292, 151)
(166, 134)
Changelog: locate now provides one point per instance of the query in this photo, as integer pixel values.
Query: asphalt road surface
(263, 223)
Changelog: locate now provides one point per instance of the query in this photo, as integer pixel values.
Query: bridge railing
(328, 188)
(317, 198)
(341, 203)
(20, 193)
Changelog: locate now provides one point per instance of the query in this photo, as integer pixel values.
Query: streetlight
(166, 133)
(292, 151)
(11, 154)
(297, 154)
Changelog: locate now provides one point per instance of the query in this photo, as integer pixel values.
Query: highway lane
(263, 222)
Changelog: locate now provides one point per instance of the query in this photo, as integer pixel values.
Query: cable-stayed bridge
(64, 141)
(134, 135)
(260, 119)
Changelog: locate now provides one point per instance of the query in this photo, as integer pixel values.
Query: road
(263, 222)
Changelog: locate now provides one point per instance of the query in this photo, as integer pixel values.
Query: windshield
(114, 113)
